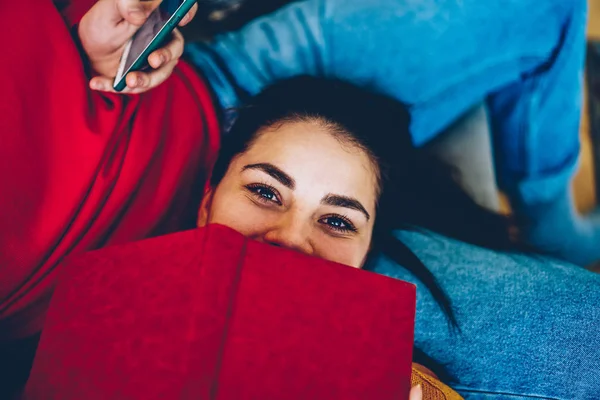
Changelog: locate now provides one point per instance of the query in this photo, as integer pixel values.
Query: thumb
(416, 393)
(134, 12)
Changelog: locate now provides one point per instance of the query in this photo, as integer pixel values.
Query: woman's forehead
(315, 158)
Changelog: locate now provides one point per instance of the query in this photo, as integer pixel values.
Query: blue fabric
(557, 229)
(440, 58)
(523, 57)
(529, 325)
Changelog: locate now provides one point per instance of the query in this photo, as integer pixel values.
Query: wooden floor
(584, 181)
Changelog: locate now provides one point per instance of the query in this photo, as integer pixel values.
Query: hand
(105, 30)
(416, 393)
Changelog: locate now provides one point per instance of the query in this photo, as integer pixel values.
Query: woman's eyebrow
(345, 201)
(274, 172)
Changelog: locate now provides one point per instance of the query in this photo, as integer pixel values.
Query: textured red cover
(209, 314)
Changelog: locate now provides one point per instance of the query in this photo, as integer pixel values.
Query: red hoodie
(81, 169)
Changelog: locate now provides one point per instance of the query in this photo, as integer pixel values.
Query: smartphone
(150, 37)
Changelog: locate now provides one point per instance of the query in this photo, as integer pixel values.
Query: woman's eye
(264, 193)
(338, 223)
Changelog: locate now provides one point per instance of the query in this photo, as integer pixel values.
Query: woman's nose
(292, 233)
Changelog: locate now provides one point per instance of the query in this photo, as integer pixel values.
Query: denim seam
(536, 85)
(500, 393)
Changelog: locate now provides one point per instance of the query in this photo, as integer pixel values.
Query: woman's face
(300, 187)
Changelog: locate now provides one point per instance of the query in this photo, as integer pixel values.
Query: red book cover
(209, 314)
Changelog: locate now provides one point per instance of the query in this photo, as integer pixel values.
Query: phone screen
(143, 37)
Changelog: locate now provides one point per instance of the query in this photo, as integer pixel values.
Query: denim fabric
(440, 58)
(530, 326)
(557, 229)
(524, 57)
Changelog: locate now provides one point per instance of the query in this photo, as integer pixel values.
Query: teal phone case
(156, 43)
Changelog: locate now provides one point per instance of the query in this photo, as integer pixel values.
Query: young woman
(82, 169)
(522, 58)
(308, 165)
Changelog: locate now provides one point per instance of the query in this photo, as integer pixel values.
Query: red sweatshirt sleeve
(80, 169)
(72, 10)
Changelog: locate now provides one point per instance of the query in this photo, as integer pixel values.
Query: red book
(210, 314)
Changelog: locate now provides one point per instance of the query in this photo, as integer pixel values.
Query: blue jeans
(530, 326)
(523, 57)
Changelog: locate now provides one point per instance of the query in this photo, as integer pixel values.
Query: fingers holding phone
(162, 61)
(106, 33)
(136, 11)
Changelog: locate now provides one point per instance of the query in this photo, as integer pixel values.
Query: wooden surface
(594, 19)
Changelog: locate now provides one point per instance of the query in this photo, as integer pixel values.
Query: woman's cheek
(344, 251)
(241, 215)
